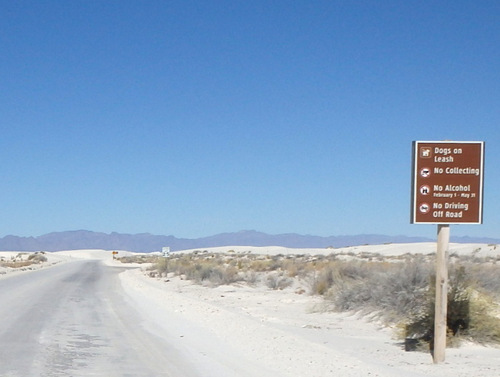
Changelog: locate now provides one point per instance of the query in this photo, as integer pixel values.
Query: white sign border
(414, 182)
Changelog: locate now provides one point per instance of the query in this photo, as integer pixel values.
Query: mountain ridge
(146, 242)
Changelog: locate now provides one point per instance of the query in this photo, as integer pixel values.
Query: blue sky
(193, 118)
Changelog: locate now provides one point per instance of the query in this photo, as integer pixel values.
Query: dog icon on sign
(426, 152)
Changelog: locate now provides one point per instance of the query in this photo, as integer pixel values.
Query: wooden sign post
(447, 188)
(441, 304)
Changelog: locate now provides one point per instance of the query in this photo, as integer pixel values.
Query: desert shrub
(356, 270)
(404, 289)
(321, 281)
(162, 266)
(231, 275)
(276, 263)
(331, 277)
(459, 298)
(475, 294)
(393, 290)
(292, 267)
(470, 313)
(486, 278)
(212, 274)
(37, 258)
(260, 265)
(251, 277)
(278, 281)
(484, 326)
(217, 275)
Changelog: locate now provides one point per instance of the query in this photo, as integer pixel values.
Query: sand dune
(254, 331)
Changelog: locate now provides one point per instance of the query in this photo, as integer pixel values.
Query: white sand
(242, 331)
(391, 249)
(286, 333)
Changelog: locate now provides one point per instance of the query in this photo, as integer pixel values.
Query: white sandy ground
(250, 330)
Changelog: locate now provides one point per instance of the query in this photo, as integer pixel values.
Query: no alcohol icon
(425, 190)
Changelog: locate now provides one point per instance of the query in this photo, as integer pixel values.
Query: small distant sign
(447, 185)
(165, 251)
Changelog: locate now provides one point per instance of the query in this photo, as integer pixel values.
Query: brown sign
(447, 182)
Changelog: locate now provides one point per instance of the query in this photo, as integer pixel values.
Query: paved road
(73, 320)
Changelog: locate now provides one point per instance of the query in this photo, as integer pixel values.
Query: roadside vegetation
(396, 290)
(22, 260)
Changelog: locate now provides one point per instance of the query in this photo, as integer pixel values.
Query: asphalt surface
(73, 320)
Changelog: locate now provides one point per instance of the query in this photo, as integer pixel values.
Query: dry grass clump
(16, 264)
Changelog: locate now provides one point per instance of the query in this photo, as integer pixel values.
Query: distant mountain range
(145, 242)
